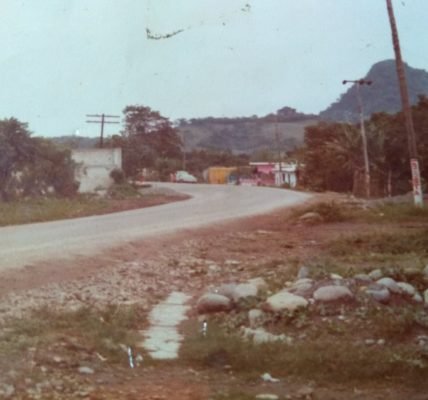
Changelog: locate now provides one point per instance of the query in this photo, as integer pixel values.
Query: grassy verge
(74, 335)
(119, 198)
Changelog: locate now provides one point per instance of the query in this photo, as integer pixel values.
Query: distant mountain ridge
(383, 95)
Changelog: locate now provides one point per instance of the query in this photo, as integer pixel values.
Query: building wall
(94, 167)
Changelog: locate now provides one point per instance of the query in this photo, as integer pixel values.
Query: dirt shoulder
(142, 273)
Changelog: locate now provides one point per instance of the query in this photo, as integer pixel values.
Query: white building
(285, 173)
(94, 167)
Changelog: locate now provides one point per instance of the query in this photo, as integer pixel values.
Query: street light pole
(359, 83)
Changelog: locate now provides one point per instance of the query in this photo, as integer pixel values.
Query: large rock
(227, 290)
(389, 283)
(244, 290)
(376, 274)
(379, 293)
(302, 287)
(407, 288)
(259, 283)
(285, 301)
(213, 302)
(332, 293)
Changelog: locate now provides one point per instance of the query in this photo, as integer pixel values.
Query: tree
(32, 166)
(147, 138)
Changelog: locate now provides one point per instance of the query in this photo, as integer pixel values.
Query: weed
(329, 211)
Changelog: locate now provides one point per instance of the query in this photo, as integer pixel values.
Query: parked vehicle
(183, 177)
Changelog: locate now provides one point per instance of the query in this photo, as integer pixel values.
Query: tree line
(333, 158)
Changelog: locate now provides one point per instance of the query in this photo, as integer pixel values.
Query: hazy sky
(62, 59)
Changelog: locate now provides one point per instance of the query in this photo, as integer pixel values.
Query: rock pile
(374, 287)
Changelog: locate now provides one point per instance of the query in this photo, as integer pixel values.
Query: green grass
(329, 355)
(96, 331)
(384, 243)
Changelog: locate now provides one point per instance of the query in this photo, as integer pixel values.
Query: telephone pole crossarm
(102, 119)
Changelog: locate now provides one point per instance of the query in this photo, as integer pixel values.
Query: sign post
(416, 182)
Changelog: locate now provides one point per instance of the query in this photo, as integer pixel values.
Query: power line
(102, 119)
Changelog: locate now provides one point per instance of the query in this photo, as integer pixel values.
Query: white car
(184, 177)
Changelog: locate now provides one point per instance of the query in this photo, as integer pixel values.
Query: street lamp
(358, 83)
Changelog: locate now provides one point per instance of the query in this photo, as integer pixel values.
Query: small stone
(407, 288)
(369, 342)
(332, 293)
(389, 283)
(411, 272)
(86, 370)
(426, 297)
(255, 317)
(244, 290)
(266, 377)
(381, 342)
(267, 396)
(303, 272)
(365, 278)
(425, 270)
(376, 274)
(306, 392)
(213, 302)
(285, 301)
(311, 218)
(336, 276)
(7, 391)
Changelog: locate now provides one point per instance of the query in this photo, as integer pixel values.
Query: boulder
(379, 293)
(407, 288)
(376, 274)
(244, 290)
(301, 287)
(285, 301)
(227, 290)
(213, 302)
(332, 293)
(389, 283)
(259, 283)
(364, 278)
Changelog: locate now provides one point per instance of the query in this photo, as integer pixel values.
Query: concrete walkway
(162, 339)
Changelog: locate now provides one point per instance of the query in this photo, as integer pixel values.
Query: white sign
(416, 182)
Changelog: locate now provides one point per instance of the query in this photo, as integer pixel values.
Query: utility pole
(102, 119)
(405, 104)
(359, 83)
(278, 146)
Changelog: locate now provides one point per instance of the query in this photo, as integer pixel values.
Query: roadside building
(95, 166)
(276, 174)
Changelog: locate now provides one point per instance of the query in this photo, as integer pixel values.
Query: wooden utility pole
(358, 83)
(407, 111)
(102, 119)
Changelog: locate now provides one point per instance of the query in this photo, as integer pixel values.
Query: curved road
(25, 244)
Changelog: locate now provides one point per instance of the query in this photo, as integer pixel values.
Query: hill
(382, 96)
(247, 134)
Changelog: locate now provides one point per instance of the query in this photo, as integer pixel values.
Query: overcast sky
(62, 59)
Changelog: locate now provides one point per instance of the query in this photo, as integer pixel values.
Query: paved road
(28, 244)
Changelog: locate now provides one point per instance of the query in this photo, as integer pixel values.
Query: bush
(118, 176)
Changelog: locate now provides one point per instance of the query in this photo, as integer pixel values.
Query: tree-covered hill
(381, 96)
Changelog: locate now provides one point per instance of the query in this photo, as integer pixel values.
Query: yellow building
(219, 175)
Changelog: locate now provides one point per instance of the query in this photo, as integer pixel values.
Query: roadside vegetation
(119, 197)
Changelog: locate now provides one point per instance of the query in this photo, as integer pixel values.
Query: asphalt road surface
(28, 244)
